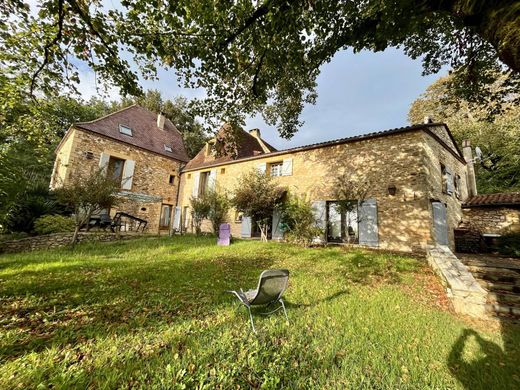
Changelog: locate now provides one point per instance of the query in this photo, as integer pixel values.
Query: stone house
(142, 150)
(419, 180)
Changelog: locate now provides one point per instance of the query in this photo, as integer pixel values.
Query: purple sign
(224, 234)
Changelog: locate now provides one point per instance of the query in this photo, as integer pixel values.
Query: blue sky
(357, 93)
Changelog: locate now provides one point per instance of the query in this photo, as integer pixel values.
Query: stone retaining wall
(492, 220)
(467, 296)
(58, 240)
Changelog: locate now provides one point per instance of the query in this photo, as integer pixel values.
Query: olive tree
(258, 196)
(87, 194)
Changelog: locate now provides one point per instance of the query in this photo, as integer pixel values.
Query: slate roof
(199, 162)
(145, 133)
(497, 199)
(248, 146)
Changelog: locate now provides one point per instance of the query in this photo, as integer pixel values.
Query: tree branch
(48, 46)
(259, 13)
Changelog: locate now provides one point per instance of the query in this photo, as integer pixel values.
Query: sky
(357, 93)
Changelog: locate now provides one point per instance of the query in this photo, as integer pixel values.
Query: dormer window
(125, 130)
(168, 148)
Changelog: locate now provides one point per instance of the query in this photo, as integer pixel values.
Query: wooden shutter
(449, 181)
(196, 180)
(245, 229)
(177, 219)
(103, 162)
(262, 167)
(277, 233)
(319, 210)
(287, 167)
(440, 225)
(128, 175)
(212, 179)
(368, 230)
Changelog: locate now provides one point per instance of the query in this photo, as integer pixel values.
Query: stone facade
(492, 220)
(151, 189)
(410, 161)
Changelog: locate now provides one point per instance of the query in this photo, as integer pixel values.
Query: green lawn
(153, 313)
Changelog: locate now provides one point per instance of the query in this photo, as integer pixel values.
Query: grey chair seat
(271, 286)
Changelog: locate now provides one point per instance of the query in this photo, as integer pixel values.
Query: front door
(440, 225)
(166, 212)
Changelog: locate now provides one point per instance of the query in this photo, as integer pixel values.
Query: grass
(151, 313)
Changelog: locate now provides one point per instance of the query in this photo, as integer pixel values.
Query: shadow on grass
(490, 367)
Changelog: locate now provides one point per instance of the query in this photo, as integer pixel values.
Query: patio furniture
(271, 286)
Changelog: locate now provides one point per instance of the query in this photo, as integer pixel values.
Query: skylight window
(125, 130)
(168, 148)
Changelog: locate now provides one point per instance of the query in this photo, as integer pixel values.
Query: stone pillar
(468, 156)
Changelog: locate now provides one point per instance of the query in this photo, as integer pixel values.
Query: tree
(219, 204)
(299, 221)
(87, 194)
(497, 136)
(179, 112)
(250, 56)
(199, 212)
(258, 196)
(349, 193)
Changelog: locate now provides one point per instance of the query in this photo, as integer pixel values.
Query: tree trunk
(75, 235)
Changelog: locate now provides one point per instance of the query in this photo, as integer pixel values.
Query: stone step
(494, 271)
(503, 310)
(512, 264)
(503, 297)
(499, 286)
(493, 277)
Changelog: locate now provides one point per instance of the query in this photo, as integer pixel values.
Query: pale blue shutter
(287, 167)
(277, 233)
(196, 180)
(103, 162)
(245, 230)
(212, 179)
(128, 175)
(319, 210)
(368, 230)
(440, 226)
(177, 219)
(262, 167)
(449, 181)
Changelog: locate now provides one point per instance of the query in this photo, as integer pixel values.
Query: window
(89, 155)
(276, 169)
(238, 216)
(168, 148)
(222, 171)
(189, 175)
(203, 183)
(444, 177)
(125, 130)
(171, 180)
(115, 168)
(342, 221)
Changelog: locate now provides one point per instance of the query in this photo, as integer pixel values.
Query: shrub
(219, 205)
(48, 224)
(200, 211)
(509, 244)
(299, 221)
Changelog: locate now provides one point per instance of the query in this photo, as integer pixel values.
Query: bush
(48, 224)
(299, 221)
(509, 244)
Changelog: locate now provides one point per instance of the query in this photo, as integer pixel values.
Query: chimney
(468, 156)
(427, 120)
(160, 120)
(255, 133)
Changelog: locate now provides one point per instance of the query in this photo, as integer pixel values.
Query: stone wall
(81, 151)
(404, 219)
(58, 240)
(435, 155)
(492, 220)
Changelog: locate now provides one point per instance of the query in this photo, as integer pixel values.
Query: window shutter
(440, 225)
(287, 167)
(277, 233)
(103, 162)
(196, 180)
(212, 179)
(319, 210)
(449, 181)
(177, 219)
(128, 175)
(368, 230)
(245, 229)
(262, 168)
